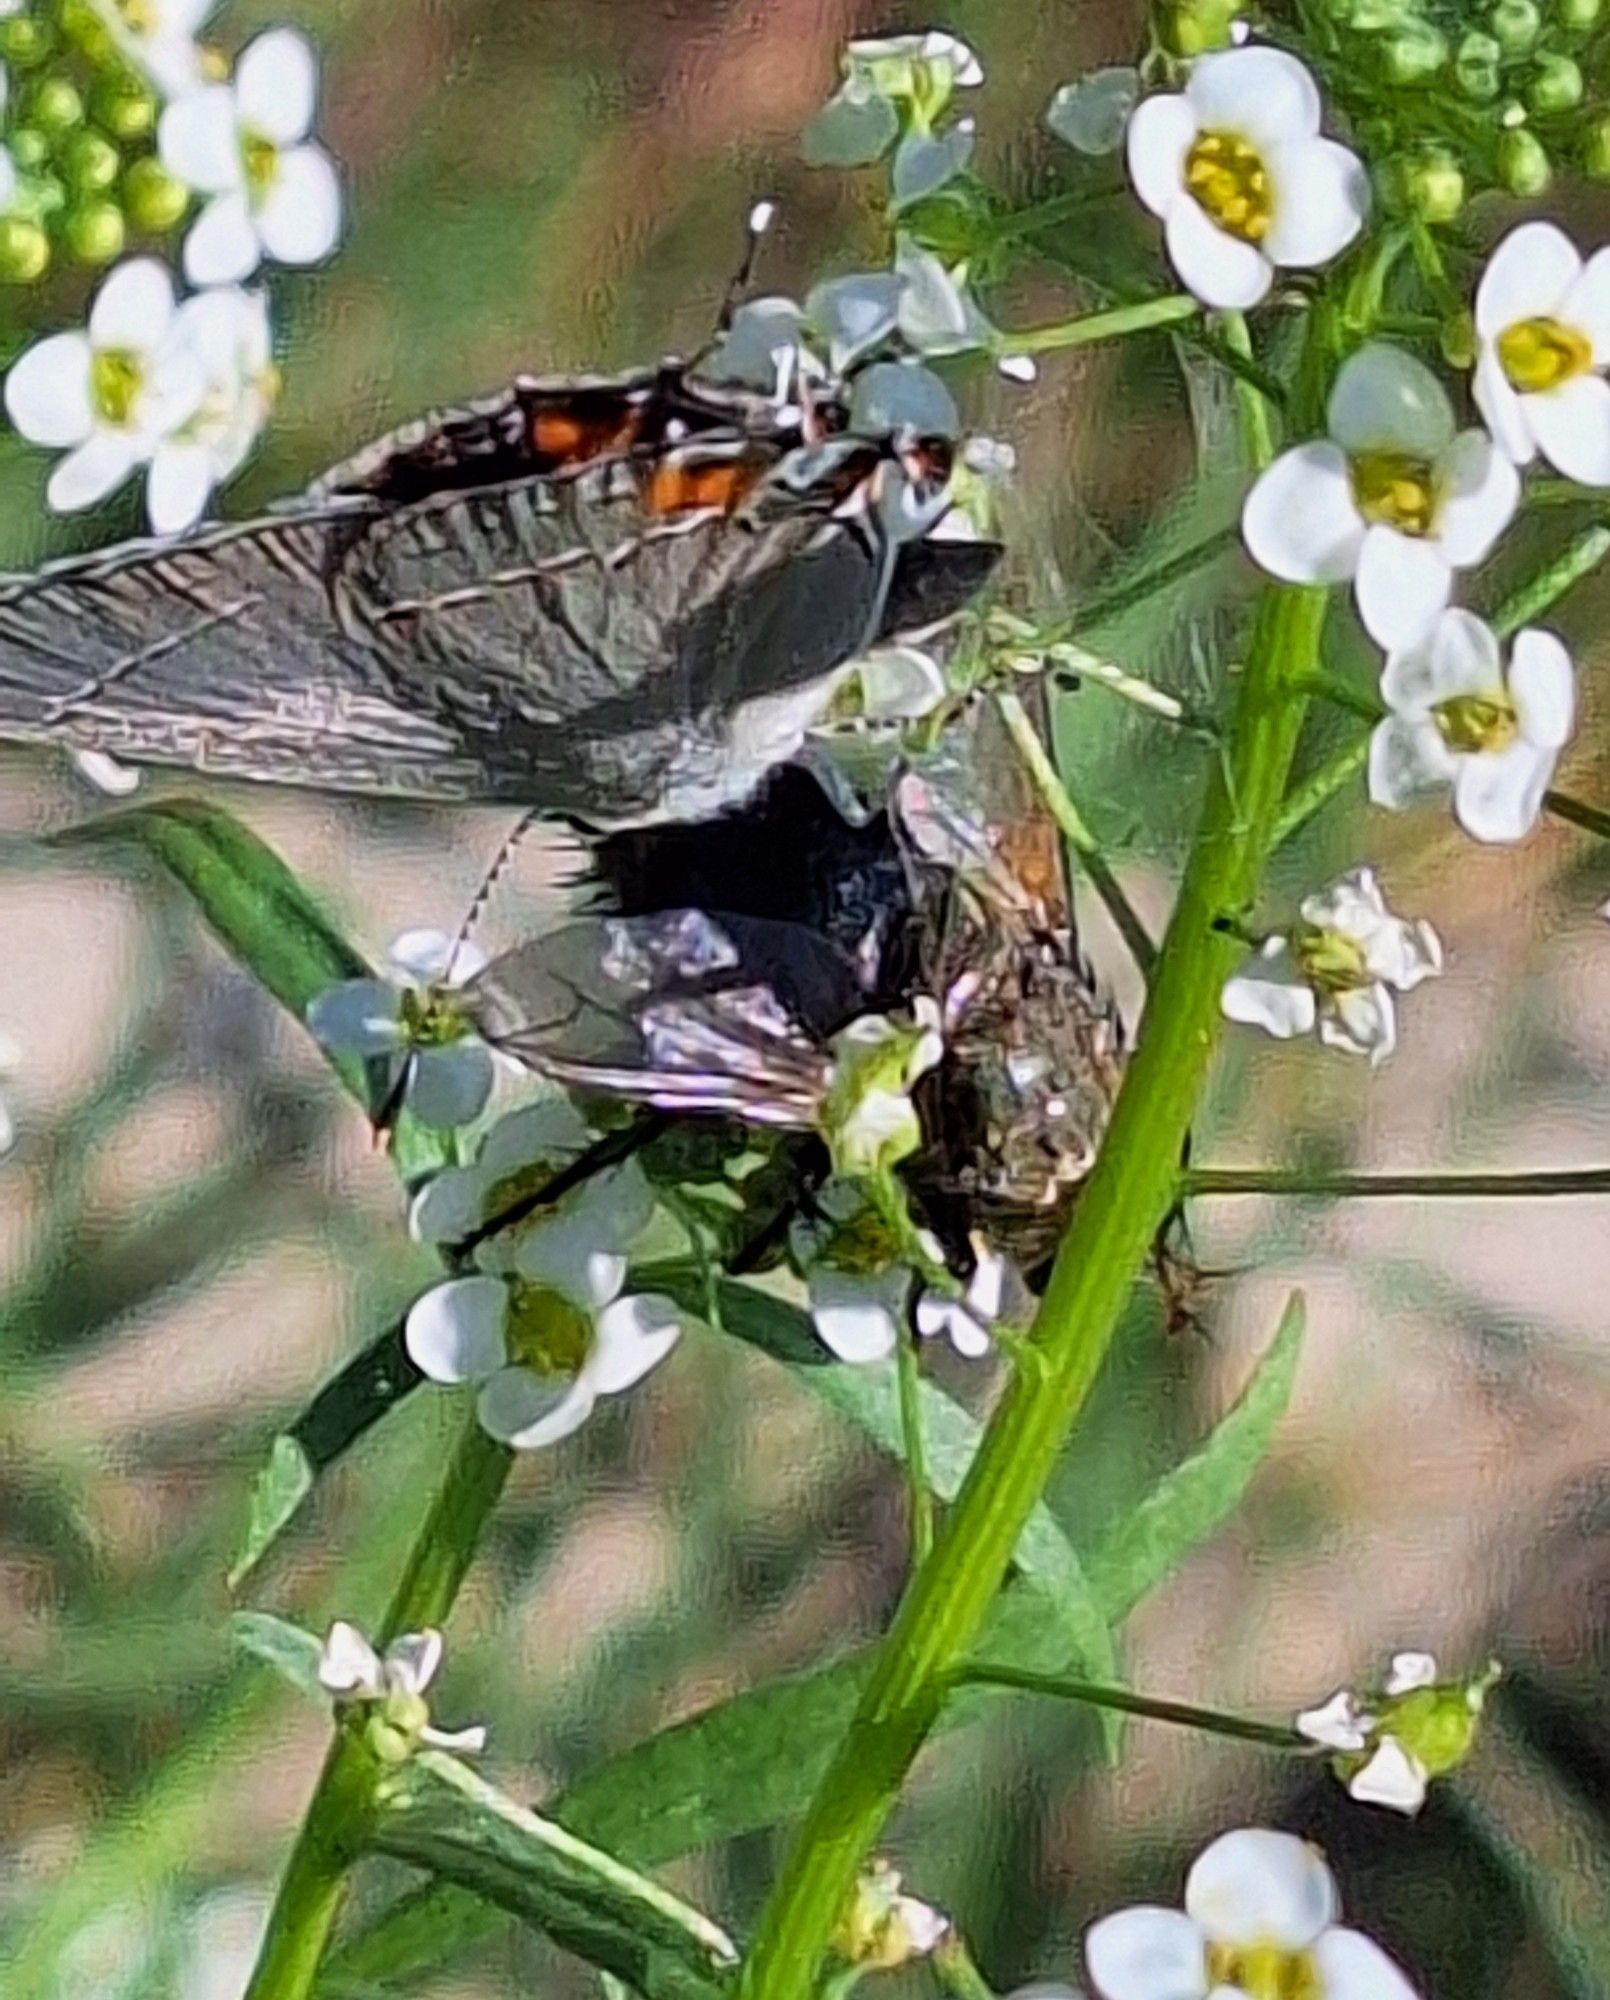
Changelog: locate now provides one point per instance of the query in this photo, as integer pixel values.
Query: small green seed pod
(125, 110)
(1434, 185)
(25, 41)
(1516, 25)
(1577, 16)
(1595, 151)
(1417, 54)
(1476, 66)
(154, 200)
(28, 147)
(1523, 166)
(56, 106)
(1457, 338)
(93, 163)
(95, 232)
(24, 251)
(1557, 86)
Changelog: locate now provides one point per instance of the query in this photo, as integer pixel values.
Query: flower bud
(1577, 16)
(1195, 26)
(1418, 53)
(57, 106)
(25, 40)
(1556, 86)
(92, 163)
(28, 147)
(24, 251)
(1434, 185)
(1382, 17)
(1457, 338)
(95, 232)
(1523, 166)
(126, 111)
(1595, 155)
(1476, 66)
(155, 201)
(1516, 25)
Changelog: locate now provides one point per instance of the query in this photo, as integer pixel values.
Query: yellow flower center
(261, 159)
(115, 381)
(1539, 354)
(1395, 488)
(1331, 961)
(863, 1246)
(1228, 177)
(544, 1332)
(431, 1018)
(1264, 1971)
(1476, 722)
(518, 1187)
(139, 16)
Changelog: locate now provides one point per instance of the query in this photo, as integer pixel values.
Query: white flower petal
(1587, 305)
(1147, 1953)
(1339, 1724)
(1268, 993)
(450, 1084)
(1407, 757)
(198, 140)
(1572, 427)
(631, 1336)
(1383, 399)
(548, 1129)
(857, 1317)
(1391, 1778)
(413, 1659)
(222, 246)
(423, 957)
(455, 1742)
(1256, 1886)
(98, 467)
(1479, 492)
(1300, 521)
(276, 86)
(1403, 953)
(450, 1206)
(1353, 903)
(1401, 587)
(348, 1664)
(359, 1017)
(1498, 794)
(1321, 198)
(1160, 133)
(1502, 409)
(48, 390)
(1361, 1023)
(1464, 656)
(1263, 95)
(527, 1411)
(177, 487)
(1542, 685)
(1409, 1671)
(1354, 1967)
(300, 218)
(1219, 269)
(455, 1331)
(133, 306)
(564, 1253)
(1528, 276)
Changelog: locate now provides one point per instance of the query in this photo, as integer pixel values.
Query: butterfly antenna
(758, 222)
(489, 882)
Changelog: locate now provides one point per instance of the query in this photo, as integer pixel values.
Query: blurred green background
(195, 1229)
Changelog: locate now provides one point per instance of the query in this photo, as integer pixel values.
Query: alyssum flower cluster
(180, 388)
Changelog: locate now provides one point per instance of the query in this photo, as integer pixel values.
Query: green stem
(1215, 1721)
(1257, 431)
(1589, 818)
(1103, 606)
(1580, 557)
(314, 1885)
(953, 1966)
(1048, 782)
(917, 1487)
(1121, 1207)
(1198, 1181)
(1110, 324)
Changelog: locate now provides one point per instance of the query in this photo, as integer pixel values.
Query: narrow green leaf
(278, 1490)
(440, 1815)
(287, 1648)
(260, 911)
(1186, 1505)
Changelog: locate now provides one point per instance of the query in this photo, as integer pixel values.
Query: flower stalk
(1120, 1210)
(1124, 1701)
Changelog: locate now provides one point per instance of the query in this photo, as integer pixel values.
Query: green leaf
(276, 1642)
(439, 1815)
(1186, 1505)
(258, 908)
(278, 1490)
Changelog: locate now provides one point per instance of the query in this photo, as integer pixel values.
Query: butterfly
(618, 600)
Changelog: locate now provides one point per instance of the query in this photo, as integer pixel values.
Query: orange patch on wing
(717, 483)
(571, 439)
(1032, 850)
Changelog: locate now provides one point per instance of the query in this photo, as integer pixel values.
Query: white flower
(899, 61)
(1394, 498)
(112, 396)
(352, 1671)
(544, 1326)
(1459, 716)
(966, 1322)
(1260, 1917)
(159, 37)
(245, 144)
(868, 1117)
(1389, 1744)
(1336, 970)
(227, 330)
(412, 1021)
(1236, 168)
(885, 1928)
(10, 1057)
(1542, 342)
(859, 1315)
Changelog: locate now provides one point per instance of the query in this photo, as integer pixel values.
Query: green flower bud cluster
(1456, 98)
(79, 126)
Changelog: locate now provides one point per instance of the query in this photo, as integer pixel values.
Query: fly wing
(654, 1010)
(221, 651)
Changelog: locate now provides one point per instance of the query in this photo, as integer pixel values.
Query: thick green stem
(953, 1966)
(1124, 1701)
(314, 1885)
(1198, 1181)
(1121, 1208)
(919, 1491)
